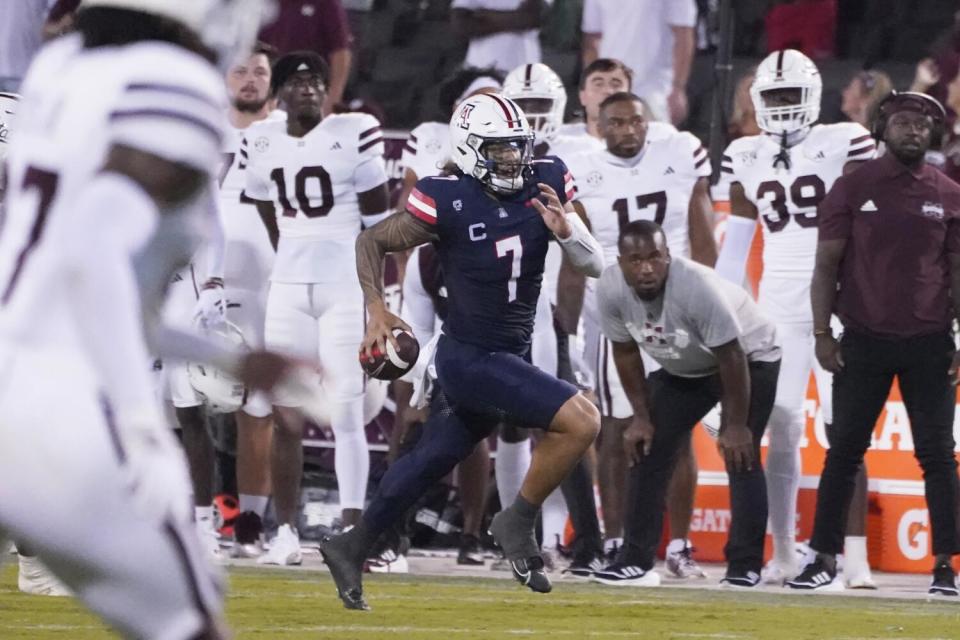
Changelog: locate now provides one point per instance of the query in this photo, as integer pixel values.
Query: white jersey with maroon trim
(249, 254)
(427, 149)
(77, 104)
(313, 184)
(656, 186)
(787, 195)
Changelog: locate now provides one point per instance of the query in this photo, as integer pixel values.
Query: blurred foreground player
(119, 135)
(491, 223)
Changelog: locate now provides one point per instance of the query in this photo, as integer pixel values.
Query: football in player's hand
(396, 361)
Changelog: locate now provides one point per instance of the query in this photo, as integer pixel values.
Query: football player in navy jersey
(491, 224)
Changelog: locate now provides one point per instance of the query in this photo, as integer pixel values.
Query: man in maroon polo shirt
(888, 264)
(315, 25)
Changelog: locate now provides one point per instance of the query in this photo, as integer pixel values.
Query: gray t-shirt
(697, 312)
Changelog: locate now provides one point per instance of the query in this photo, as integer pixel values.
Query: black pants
(676, 405)
(860, 391)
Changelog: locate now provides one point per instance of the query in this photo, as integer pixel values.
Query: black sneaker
(345, 559)
(740, 579)
(585, 567)
(627, 575)
(470, 552)
(944, 581)
(817, 576)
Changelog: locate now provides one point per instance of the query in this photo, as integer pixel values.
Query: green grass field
(294, 605)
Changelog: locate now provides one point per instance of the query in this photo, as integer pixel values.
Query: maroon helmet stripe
(527, 73)
(780, 64)
(503, 106)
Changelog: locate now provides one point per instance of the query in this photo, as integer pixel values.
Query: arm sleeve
(611, 319)
(582, 249)
(180, 122)
(418, 309)
(834, 214)
(681, 13)
(370, 173)
(370, 140)
(104, 295)
(215, 247)
(732, 261)
(592, 21)
(697, 159)
(862, 145)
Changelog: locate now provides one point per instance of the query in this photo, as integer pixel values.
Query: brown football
(396, 362)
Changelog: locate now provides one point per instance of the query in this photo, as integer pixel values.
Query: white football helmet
(221, 392)
(228, 27)
(540, 93)
(488, 123)
(787, 69)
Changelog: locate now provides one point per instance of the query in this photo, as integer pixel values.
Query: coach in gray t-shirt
(714, 345)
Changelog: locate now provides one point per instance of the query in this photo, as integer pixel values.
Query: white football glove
(211, 308)
(155, 467)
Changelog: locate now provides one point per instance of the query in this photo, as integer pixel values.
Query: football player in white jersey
(118, 136)
(316, 180)
(664, 178)
(247, 265)
(778, 178)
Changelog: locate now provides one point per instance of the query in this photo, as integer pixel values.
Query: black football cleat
(346, 567)
(530, 573)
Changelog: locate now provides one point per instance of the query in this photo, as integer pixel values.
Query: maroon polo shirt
(900, 227)
(312, 25)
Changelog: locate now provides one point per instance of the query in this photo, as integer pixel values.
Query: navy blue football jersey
(492, 252)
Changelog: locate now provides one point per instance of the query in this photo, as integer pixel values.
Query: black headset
(928, 106)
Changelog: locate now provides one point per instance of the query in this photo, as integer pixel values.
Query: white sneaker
(778, 573)
(37, 580)
(210, 541)
(389, 562)
(861, 579)
(284, 548)
(682, 565)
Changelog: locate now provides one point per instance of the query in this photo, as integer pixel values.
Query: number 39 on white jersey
(313, 184)
(787, 198)
(657, 187)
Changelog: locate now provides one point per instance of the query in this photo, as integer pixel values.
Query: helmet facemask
(777, 115)
(543, 118)
(506, 162)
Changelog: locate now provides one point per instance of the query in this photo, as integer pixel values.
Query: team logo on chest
(261, 144)
(933, 210)
(458, 205)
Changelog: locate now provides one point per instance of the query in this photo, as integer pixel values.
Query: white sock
(855, 559)
(257, 504)
(782, 471)
(554, 515)
(204, 516)
(510, 467)
(351, 456)
(676, 545)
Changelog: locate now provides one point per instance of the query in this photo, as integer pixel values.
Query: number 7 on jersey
(511, 246)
